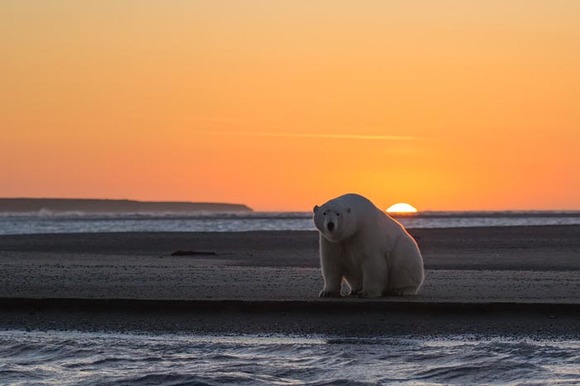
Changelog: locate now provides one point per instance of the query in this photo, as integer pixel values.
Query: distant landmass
(16, 205)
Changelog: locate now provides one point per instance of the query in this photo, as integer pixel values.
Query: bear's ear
(315, 208)
(347, 210)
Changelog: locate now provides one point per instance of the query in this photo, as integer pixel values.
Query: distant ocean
(73, 222)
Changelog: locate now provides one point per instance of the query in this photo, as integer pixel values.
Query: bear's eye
(338, 215)
(324, 213)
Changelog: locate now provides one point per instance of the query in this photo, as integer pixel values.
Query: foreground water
(47, 222)
(104, 358)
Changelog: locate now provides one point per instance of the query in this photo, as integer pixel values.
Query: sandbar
(478, 280)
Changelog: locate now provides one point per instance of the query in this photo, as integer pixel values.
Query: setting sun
(401, 208)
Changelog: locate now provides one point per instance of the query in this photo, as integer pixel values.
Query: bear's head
(334, 222)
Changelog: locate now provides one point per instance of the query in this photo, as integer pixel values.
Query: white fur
(372, 252)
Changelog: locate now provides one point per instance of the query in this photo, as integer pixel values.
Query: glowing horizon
(281, 105)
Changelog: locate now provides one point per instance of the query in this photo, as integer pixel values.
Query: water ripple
(132, 359)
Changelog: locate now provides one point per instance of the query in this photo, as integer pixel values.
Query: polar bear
(372, 252)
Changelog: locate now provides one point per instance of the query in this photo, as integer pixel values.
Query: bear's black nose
(330, 226)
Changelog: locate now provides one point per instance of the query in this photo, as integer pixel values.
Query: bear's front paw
(354, 293)
(329, 294)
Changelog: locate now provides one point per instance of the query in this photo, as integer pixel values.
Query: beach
(478, 280)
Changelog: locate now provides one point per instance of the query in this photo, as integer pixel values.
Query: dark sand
(505, 280)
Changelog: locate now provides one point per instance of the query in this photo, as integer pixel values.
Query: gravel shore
(477, 280)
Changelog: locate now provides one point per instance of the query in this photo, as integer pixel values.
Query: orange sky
(447, 105)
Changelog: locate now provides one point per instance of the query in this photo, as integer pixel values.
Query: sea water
(47, 222)
(72, 358)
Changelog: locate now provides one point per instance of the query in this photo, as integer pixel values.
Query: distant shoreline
(23, 205)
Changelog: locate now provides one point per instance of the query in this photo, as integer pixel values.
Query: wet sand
(478, 280)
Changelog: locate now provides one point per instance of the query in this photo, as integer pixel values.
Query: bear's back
(369, 214)
(355, 201)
